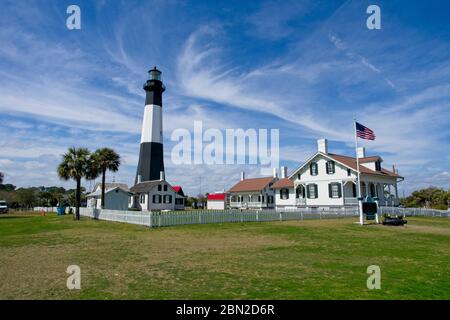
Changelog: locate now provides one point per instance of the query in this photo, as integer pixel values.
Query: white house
(256, 193)
(217, 201)
(116, 196)
(329, 180)
(156, 195)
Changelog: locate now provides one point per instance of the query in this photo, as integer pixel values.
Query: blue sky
(303, 67)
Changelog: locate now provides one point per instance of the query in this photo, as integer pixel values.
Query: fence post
(257, 216)
(159, 219)
(281, 216)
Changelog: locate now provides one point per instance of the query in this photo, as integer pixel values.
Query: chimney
(242, 175)
(283, 172)
(161, 176)
(322, 145)
(361, 152)
(139, 178)
(275, 174)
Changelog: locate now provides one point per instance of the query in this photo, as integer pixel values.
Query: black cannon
(394, 221)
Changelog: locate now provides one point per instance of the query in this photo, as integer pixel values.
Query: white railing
(174, 218)
(350, 201)
(412, 212)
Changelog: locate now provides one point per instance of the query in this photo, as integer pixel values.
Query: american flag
(364, 132)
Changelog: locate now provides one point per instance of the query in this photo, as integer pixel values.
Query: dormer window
(299, 176)
(378, 165)
(330, 167)
(313, 169)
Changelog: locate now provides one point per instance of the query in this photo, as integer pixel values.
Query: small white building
(156, 195)
(329, 180)
(116, 196)
(255, 193)
(217, 201)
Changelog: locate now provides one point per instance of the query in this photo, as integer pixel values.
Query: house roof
(145, 186)
(351, 162)
(111, 185)
(178, 190)
(99, 191)
(217, 196)
(370, 159)
(283, 183)
(255, 184)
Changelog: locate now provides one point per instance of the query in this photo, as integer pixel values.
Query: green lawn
(321, 259)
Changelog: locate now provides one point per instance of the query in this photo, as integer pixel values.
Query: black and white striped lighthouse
(151, 157)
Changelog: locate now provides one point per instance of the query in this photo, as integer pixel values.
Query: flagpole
(361, 219)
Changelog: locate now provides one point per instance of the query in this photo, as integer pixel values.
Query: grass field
(321, 259)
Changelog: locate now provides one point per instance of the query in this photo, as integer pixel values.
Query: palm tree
(1, 177)
(104, 159)
(74, 165)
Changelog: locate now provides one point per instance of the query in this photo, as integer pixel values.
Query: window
(334, 190)
(159, 187)
(156, 198)
(330, 167)
(165, 187)
(284, 194)
(179, 200)
(300, 192)
(313, 169)
(269, 199)
(378, 165)
(312, 191)
(167, 198)
(142, 198)
(299, 176)
(349, 172)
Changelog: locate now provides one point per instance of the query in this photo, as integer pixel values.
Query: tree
(103, 160)
(75, 165)
(2, 176)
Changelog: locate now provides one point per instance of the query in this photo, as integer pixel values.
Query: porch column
(396, 192)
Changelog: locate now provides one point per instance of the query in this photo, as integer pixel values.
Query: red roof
(283, 183)
(255, 184)
(178, 190)
(351, 162)
(217, 196)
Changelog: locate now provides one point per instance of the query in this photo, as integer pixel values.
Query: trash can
(61, 211)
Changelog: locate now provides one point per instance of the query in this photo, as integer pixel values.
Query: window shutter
(332, 166)
(308, 194)
(311, 169)
(317, 191)
(330, 191)
(339, 190)
(327, 167)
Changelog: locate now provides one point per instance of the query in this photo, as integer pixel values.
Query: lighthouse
(151, 157)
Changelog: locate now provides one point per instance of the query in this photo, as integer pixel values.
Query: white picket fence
(51, 209)
(412, 212)
(174, 218)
